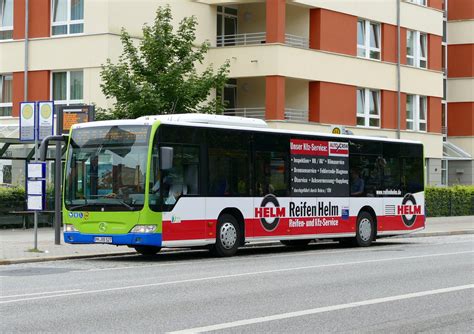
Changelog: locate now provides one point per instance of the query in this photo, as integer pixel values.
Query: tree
(159, 76)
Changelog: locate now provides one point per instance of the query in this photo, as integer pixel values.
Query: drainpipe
(398, 70)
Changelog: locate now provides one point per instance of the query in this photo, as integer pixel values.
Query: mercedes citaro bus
(195, 180)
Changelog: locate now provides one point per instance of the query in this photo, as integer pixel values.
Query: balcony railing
(242, 39)
(292, 115)
(297, 41)
(259, 38)
(296, 115)
(246, 112)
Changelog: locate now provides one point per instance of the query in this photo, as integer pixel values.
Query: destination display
(319, 168)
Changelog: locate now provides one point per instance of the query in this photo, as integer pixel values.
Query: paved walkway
(15, 244)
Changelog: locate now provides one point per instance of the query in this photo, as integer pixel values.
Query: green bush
(452, 201)
(12, 199)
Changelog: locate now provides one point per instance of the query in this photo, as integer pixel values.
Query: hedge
(452, 201)
(14, 199)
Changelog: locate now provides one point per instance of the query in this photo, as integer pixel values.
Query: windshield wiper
(78, 206)
(123, 203)
(119, 201)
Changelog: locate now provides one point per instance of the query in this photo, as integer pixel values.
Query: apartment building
(374, 67)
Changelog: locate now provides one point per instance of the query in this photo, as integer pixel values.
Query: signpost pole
(35, 213)
(57, 180)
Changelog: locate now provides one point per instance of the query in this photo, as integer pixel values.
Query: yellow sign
(336, 131)
(46, 110)
(27, 111)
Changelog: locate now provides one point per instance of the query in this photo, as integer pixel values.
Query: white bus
(220, 181)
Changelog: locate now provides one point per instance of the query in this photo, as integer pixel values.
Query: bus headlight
(70, 228)
(143, 229)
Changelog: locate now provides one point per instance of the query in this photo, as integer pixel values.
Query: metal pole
(398, 71)
(57, 181)
(35, 213)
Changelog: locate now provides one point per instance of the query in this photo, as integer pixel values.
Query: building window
(226, 26)
(417, 53)
(444, 172)
(418, 2)
(6, 96)
(67, 17)
(416, 113)
(6, 19)
(229, 95)
(368, 107)
(368, 39)
(68, 87)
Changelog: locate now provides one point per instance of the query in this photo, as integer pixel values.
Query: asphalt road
(398, 285)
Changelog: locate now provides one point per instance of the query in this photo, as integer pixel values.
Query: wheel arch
(237, 214)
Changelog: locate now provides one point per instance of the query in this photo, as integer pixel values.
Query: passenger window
(271, 165)
(167, 186)
(391, 170)
(229, 162)
(364, 175)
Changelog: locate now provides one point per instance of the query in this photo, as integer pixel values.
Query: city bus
(220, 182)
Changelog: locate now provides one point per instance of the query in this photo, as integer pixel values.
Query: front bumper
(129, 239)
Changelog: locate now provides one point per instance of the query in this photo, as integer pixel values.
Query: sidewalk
(14, 244)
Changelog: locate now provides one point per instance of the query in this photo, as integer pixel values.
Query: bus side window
(411, 160)
(229, 161)
(271, 165)
(364, 175)
(390, 176)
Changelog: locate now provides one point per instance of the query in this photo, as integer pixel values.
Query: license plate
(103, 240)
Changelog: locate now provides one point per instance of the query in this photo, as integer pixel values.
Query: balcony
(259, 38)
(291, 115)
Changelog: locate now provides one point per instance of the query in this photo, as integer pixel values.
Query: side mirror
(166, 155)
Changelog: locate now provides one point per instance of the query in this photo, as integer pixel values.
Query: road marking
(309, 252)
(39, 293)
(288, 315)
(193, 280)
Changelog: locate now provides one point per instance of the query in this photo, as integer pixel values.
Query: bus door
(186, 216)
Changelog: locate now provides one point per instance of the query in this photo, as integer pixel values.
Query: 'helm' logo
(270, 212)
(409, 210)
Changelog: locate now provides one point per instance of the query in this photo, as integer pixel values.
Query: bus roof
(225, 122)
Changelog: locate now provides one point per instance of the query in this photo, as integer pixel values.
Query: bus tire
(227, 236)
(147, 250)
(296, 243)
(365, 230)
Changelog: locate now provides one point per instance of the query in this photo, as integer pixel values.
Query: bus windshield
(106, 168)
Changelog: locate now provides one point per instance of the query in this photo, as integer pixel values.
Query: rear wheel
(365, 230)
(227, 236)
(147, 250)
(296, 243)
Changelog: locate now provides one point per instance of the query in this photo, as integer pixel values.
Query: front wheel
(147, 250)
(365, 230)
(227, 237)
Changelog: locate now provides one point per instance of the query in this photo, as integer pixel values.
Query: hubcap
(365, 229)
(228, 235)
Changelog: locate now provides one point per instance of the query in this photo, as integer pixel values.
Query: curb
(270, 243)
